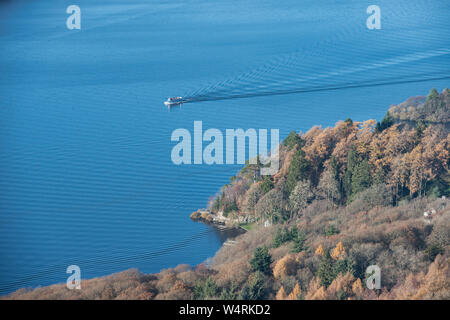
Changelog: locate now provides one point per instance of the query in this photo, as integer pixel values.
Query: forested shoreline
(345, 197)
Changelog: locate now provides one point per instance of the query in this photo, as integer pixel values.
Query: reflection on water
(225, 234)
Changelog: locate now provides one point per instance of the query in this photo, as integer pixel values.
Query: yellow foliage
(295, 293)
(338, 252)
(365, 133)
(285, 166)
(320, 294)
(436, 283)
(320, 251)
(281, 294)
(342, 284)
(357, 287)
(313, 287)
(285, 266)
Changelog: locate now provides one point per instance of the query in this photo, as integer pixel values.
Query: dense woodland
(345, 197)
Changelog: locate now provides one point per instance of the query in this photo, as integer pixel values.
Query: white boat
(173, 101)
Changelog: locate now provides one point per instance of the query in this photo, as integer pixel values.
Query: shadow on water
(224, 234)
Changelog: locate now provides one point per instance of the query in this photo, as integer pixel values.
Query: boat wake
(327, 66)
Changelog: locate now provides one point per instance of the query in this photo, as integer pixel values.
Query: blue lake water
(86, 176)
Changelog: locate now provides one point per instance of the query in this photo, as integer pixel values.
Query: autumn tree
(316, 291)
(319, 148)
(365, 134)
(295, 293)
(286, 266)
(329, 182)
(341, 287)
(338, 252)
(281, 294)
(434, 285)
(357, 288)
(319, 251)
(300, 196)
(254, 193)
(271, 205)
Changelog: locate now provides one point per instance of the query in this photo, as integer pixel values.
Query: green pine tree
(325, 271)
(299, 242)
(434, 94)
(255, 289)
(387, 121)
(293, 139)
(361, 179)
(267, 184)
(261, 260)
(210, 288)
(229, 294)
(352, 161)
(298, 170)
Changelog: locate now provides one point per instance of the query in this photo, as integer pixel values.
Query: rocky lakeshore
(206, 216)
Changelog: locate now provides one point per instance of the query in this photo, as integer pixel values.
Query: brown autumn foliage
(295, 294)
(281, 294)
(338, 252)
(319, 251)
(286, 266)
(432, 285)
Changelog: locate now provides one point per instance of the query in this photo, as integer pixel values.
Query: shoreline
(207, 217)
(225, 232)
